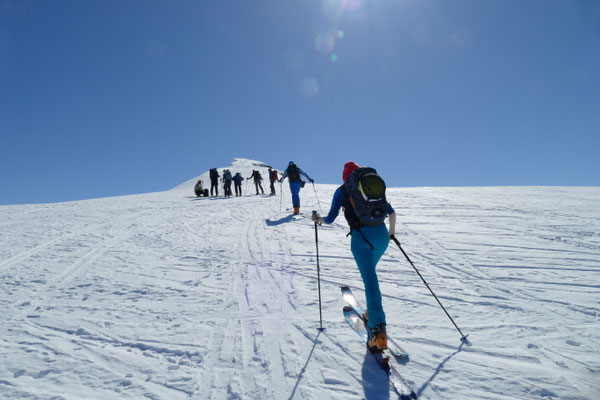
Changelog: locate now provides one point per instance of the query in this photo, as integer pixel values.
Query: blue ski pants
(366, 258)
(295, 189)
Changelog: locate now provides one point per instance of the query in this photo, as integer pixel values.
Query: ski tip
(345, 287)
(348, 309)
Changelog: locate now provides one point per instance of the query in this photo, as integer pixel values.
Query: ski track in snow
(165, 296)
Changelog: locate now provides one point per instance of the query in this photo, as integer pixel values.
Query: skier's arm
(392, 230)
(336, 204)
(283, 176)
(304, 173)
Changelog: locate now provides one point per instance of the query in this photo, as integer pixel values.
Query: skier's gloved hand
(315, 217)
(312, 180)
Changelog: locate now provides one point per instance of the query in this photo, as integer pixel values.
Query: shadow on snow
(305, 365)
(438, 369)
(280, 221)
(376, 384)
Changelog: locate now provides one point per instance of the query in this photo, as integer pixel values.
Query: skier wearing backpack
(237, 182)
(227, 182)
(370, 237)
(293, 172)
(272, 180)
(214, 182)
(257, 181)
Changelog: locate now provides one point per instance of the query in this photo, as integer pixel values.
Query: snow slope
(166, 296)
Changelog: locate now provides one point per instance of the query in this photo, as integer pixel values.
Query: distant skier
(273, 178)
(257, 181)
(199, 189)
(214, 182)
(227, 178)
(293, 172)
(237, 182)
(364, 190)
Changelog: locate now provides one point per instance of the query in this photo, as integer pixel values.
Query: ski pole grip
(315, 213)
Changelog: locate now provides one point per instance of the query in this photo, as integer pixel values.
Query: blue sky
(103, 98)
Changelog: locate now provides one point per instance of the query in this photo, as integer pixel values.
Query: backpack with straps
(293, 174)
(365, 191)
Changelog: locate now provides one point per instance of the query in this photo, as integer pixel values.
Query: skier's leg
(295, 189)
(366, 259)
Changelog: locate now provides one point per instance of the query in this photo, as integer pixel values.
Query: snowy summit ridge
(242, 165)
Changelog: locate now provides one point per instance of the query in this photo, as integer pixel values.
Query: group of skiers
(228, 178)
(362, 197)
(237, 179)
(292, 172)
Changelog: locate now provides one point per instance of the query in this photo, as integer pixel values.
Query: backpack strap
(352, 219)
(361, 235)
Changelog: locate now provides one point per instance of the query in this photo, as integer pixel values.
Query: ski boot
(377, 341)
(296, 210)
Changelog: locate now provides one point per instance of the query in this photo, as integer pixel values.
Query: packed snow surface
(168, 296)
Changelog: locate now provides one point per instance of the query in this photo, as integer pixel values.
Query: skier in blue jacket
(237, 182)
(368, 245)
(293, 172)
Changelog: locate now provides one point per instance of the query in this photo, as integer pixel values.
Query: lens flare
(325, 42)
(308, 87)
(351, 5)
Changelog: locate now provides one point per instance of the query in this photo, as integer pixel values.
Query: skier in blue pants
(368, 245)
(293, 172)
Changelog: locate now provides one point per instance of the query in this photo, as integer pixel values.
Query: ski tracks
(253, 338)
(267, 352)
(449, 244)
(83, 313)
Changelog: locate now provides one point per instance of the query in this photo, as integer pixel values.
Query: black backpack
(366, 193)
(293, 174)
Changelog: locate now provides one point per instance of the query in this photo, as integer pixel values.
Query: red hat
(349, 167)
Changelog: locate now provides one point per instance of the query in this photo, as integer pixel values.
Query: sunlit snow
(169, 296)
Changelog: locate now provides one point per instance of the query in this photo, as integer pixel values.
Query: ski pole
(318, 203)
(318, 275)
(463, 337)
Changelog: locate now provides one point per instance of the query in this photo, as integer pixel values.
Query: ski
(383, 359)
(396, 350)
